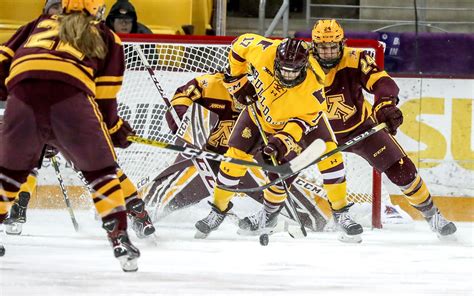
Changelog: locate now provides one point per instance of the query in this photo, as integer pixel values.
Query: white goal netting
(141, 104)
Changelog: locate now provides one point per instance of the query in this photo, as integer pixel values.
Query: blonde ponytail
(78, 30)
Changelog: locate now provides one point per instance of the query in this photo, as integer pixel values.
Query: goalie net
(176, 61)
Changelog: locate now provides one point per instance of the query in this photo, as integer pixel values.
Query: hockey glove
(241, 89)
(386, 111)
(120, 132)
(282, 147)
(50, 151)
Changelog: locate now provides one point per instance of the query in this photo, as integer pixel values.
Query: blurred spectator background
(421, 36)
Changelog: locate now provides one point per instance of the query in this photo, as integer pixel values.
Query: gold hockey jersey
(291, 110)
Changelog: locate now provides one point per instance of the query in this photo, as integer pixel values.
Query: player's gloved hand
(241, 89)
(180, 110)
(275, 147)
(120, 132)
(386, 111)
(50, 151)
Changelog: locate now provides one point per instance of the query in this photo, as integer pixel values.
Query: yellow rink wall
(453, 208)
(161, 16)
(50, 197)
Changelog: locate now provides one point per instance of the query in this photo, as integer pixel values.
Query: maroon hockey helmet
(291, 62)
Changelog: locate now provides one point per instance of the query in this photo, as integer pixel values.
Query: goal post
(178, 59)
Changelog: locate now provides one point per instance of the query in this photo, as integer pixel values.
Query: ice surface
(50, 258)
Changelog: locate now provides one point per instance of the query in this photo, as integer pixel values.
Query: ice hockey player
(348, 72)
(141, 222)
(290, 106)
(170, 191)
(18, 210)
(17, 217)
(78, 68)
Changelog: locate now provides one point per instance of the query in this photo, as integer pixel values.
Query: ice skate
(211, 222)
(254, 225)
(124, 250)
(14, 223)
(350, 231)
(443, 228)
(141, 221)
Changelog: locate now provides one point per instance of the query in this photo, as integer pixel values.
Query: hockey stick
(54, 162)
(204, 169)
(302, 161)
(291, 207)
(340, 148)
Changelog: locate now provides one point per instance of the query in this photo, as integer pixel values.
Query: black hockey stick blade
(305, 159)
(340, 148)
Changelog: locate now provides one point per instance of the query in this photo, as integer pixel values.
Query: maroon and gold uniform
(59, 96)
(349, 71)
(29, 54)
(288, 113)
(187, 188)
(208, 91)
(350, 113)
(288, 105)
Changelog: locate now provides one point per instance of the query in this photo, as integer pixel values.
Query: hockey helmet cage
(328, 34)
(291, 62)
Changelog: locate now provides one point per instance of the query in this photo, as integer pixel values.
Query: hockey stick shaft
(55, 164)
(191, 152)
(351, 142)
(302, 161)
(157, 84)
(204, 168)
(289, 197)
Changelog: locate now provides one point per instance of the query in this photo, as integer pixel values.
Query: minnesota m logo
(337, 109)
(221, 136)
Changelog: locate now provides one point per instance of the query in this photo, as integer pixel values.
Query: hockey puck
(264, 239)
(2, 250)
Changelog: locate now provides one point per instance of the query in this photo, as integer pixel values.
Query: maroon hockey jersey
(344, 85)
(35, 52)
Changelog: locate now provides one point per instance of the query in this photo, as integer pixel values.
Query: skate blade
(200, 235)
(351, 239)
(13, 228)
(127, 264)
